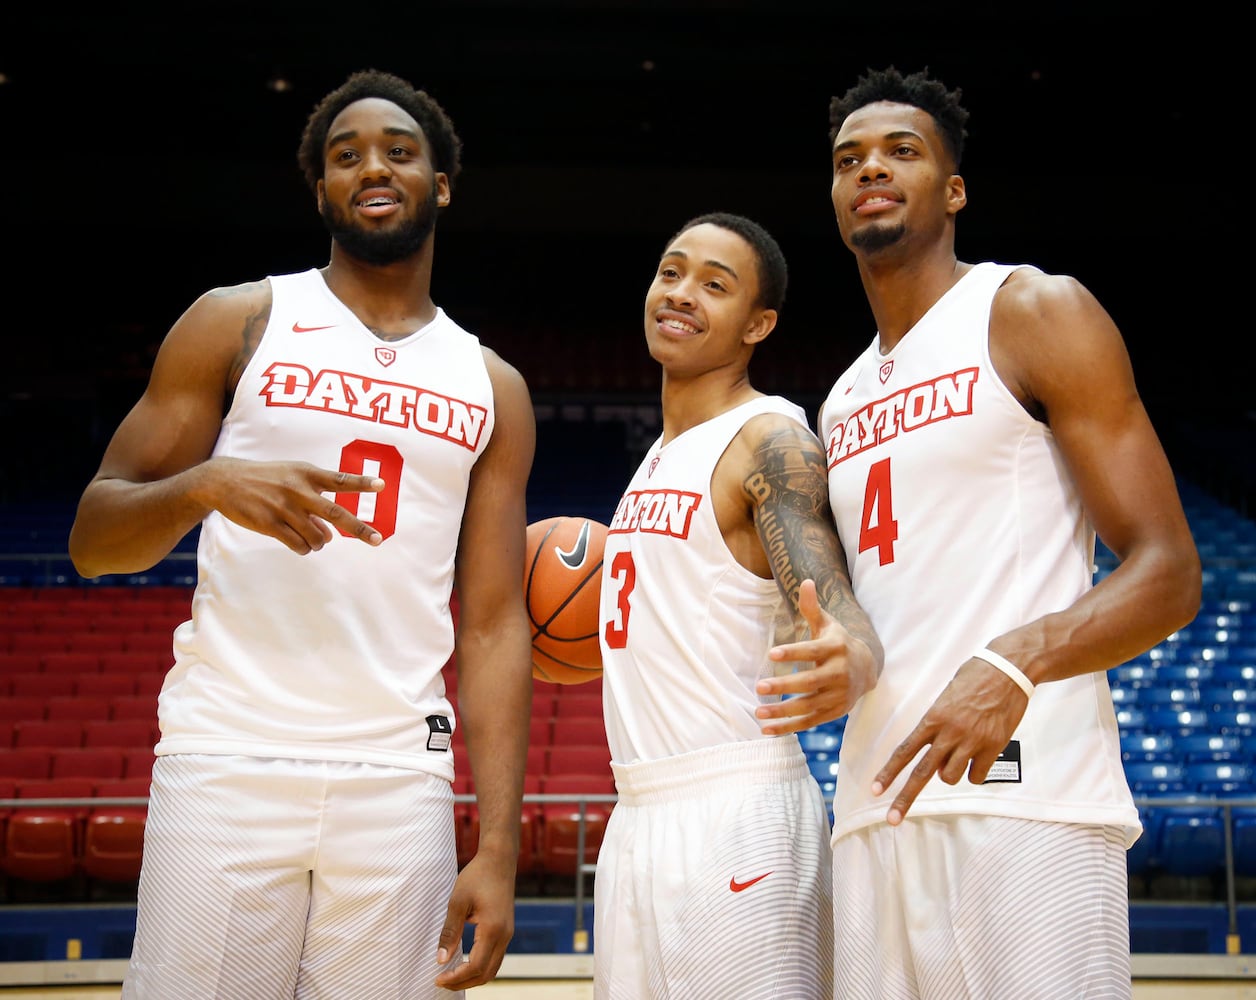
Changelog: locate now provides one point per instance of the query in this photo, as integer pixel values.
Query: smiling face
(379, 194)
(702, 310)
(893, 180)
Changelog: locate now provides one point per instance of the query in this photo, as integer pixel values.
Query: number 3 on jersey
(624, 573)
(877, 527)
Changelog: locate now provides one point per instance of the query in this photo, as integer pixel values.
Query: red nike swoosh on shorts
(735, 886)
(298, 328)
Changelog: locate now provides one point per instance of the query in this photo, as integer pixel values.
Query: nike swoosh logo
(575, 558)
(298, 328)
(736, 886)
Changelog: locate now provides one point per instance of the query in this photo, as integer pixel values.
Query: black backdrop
(146, 158)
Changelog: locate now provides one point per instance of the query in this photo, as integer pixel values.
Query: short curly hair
(421, 106)
(920, 90)
(772, 271)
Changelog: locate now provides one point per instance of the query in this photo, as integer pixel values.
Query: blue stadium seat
(1219, 697)
(1244, 818)
(1178, 720)
(1221, 778)
(1148, 748)
(1240, 722)
(1156, 778)
(1141, 858)
(1132, 675)
(1182, 675)
(1165, 696)
(1130, 719)
(823, 767)
(820, 741)
(1212, 747)
(1240, 671)
(1191, 841)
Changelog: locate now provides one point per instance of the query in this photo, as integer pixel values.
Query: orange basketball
(562, 582)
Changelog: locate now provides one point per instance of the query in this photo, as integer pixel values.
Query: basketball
(562, 584)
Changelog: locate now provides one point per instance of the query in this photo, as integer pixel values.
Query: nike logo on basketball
(575, 558)
(298, 328)
(735, 886)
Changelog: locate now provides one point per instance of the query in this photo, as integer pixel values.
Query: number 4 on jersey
(877, 527)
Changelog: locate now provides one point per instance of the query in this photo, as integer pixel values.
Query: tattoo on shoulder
(250, 336)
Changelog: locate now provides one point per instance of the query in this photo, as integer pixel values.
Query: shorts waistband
(745, 762)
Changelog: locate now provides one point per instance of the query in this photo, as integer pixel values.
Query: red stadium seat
(97, 763)
(576, 706)
(30, 641)
(103, 685)
(580, 732)
(65, 662)
(134, 706)
(42, 843)
(98, 643)
(21, 707)
(560, 822)
(124, 733)
(579, 758)
(73, 706)
(137, 762)
(51, 733)
(113, 835)
(18, 663)
(41, 686)
(26, 763)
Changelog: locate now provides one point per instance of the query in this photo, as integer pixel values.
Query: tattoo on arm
(789, 492)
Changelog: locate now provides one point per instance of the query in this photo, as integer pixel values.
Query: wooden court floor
(582, 989)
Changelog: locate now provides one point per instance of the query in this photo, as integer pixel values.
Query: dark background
(146, 158)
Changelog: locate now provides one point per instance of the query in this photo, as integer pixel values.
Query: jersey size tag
(1007, 769)
(440, 733)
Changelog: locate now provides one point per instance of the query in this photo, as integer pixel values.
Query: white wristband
(1008, 667)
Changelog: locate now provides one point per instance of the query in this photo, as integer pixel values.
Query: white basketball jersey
(685, 627)
(961, 522)
(336, 654)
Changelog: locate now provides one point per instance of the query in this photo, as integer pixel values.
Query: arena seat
(137, 762)
(113, 835)
(1244, 844)
(579, 758)
(1156, 778)
(1191, 841)
(560, 822)
(50, 733)
(1222, 778)
(1149, 748)
(123, 733)
(23, 707)
(579, 731)
(42, 843)
(103, 685)
(73, 706)
(26, 763)
(97, 763)
(1212, 747)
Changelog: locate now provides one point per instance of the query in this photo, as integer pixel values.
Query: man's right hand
(286, 500)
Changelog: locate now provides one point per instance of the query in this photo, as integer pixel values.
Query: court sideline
(582, 989)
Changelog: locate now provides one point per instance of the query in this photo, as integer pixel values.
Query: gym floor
(582, 989)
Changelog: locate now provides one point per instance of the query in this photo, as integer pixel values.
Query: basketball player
(352, 454)
(713, 878)
(974, 449)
